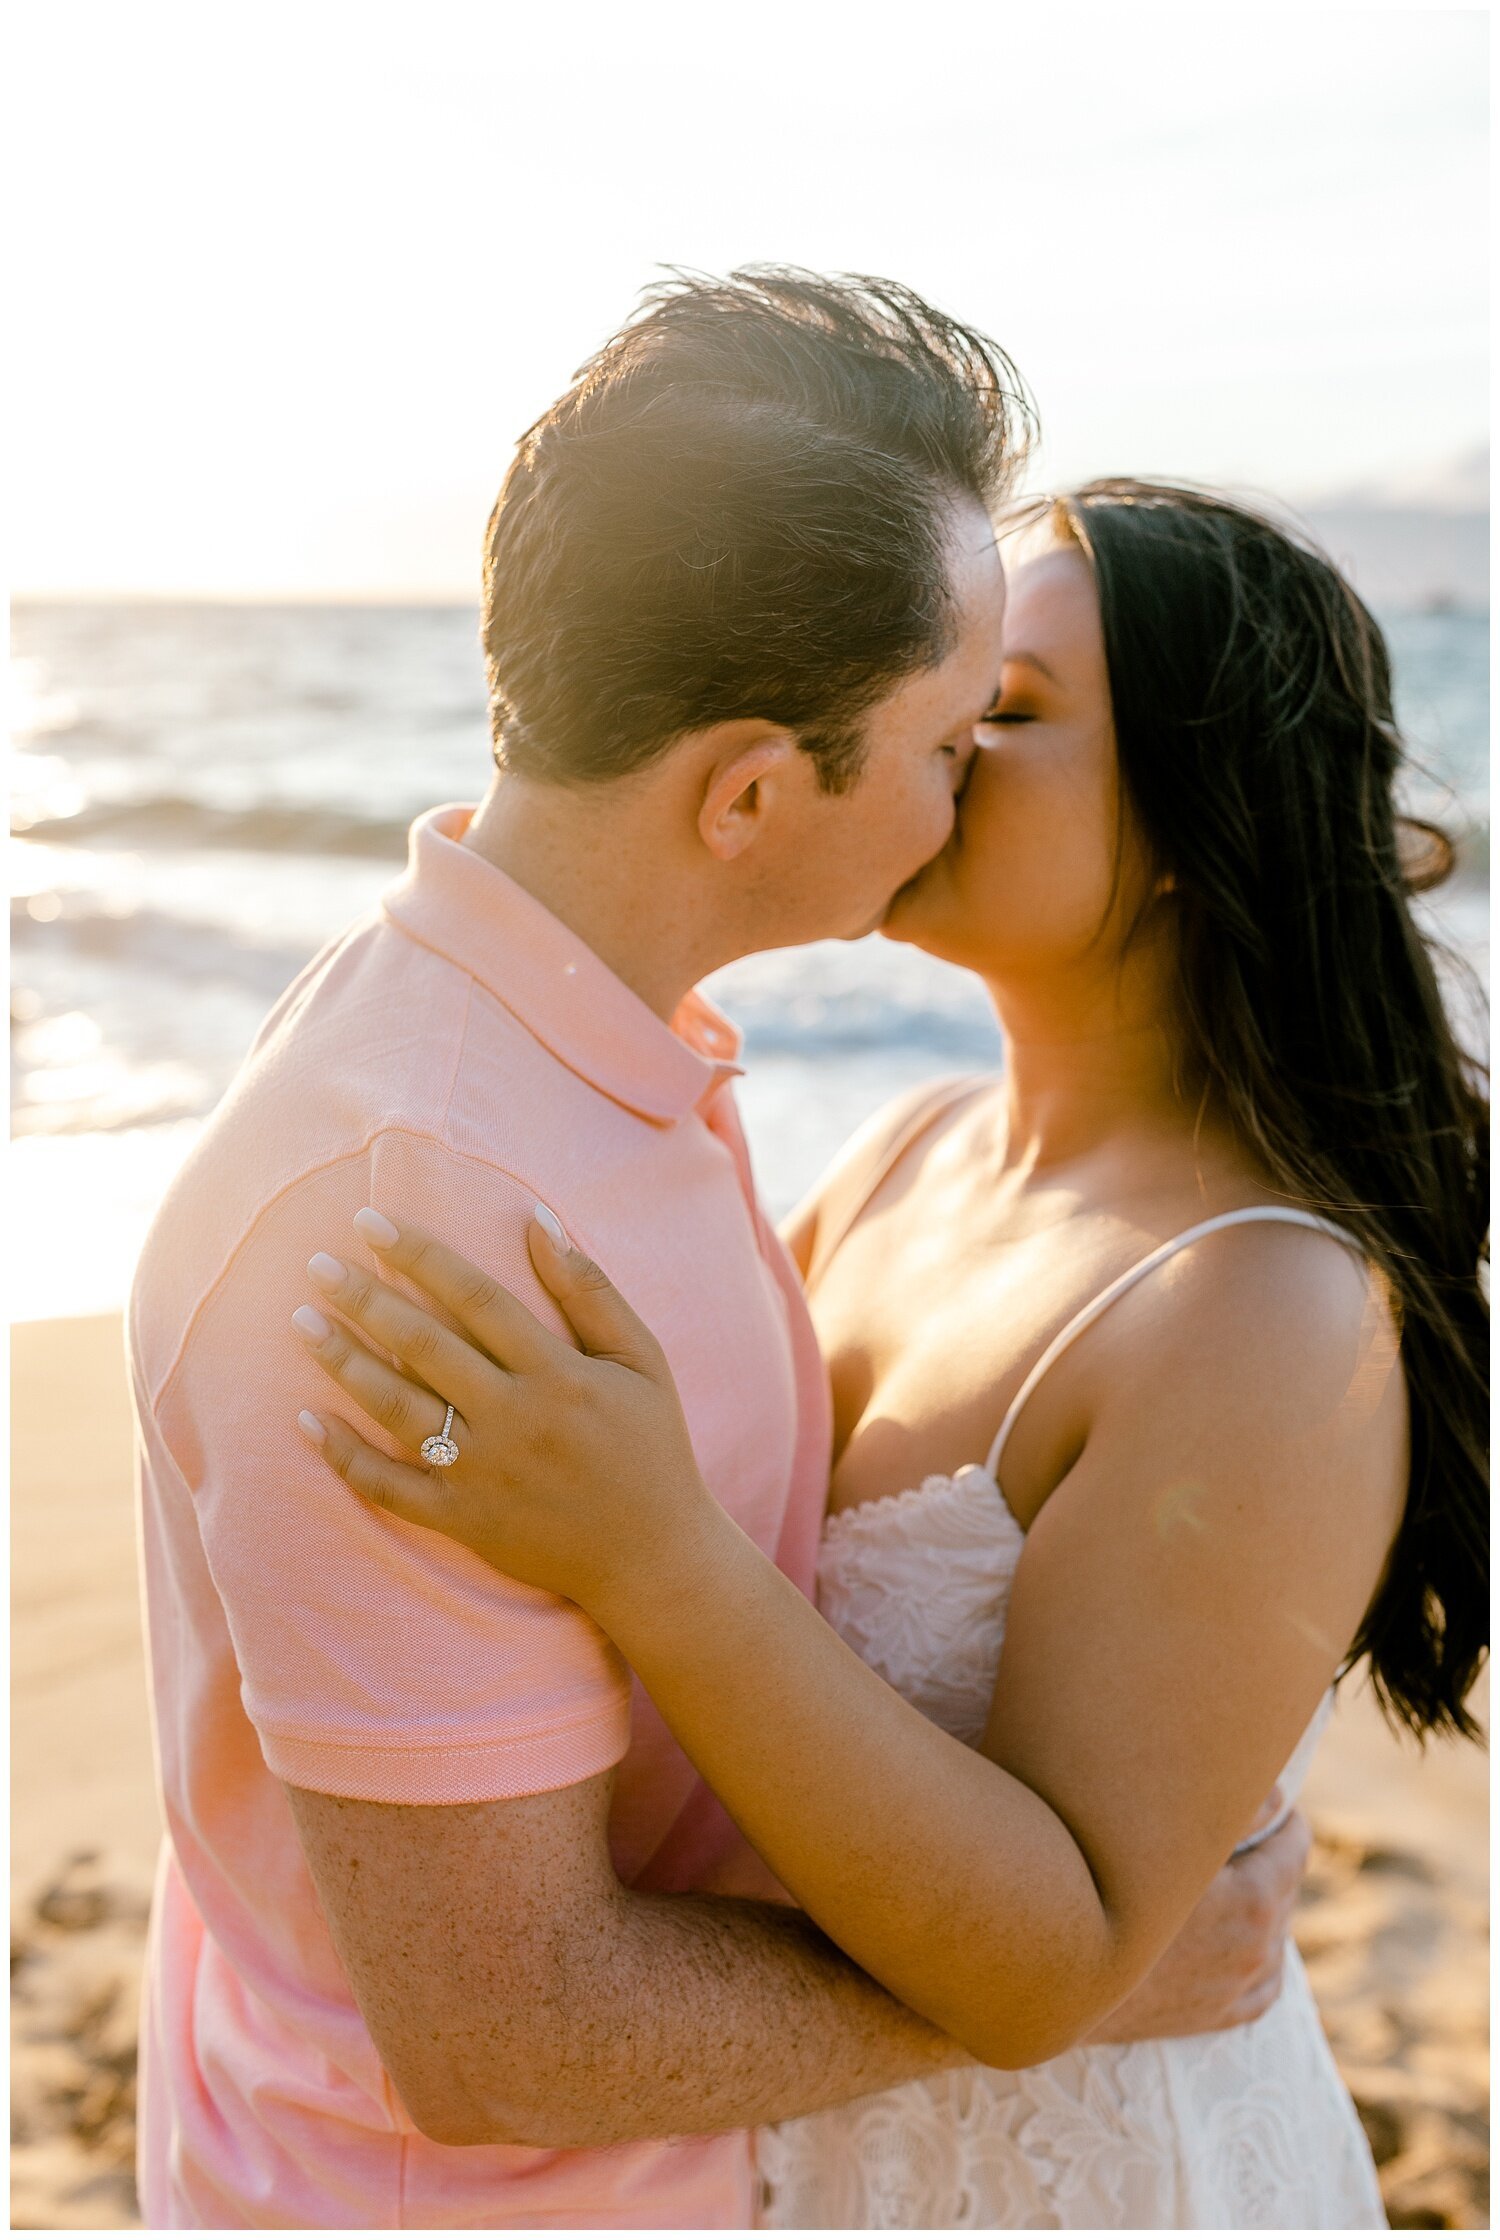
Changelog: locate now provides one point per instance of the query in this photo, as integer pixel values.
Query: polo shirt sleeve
(377, 1660)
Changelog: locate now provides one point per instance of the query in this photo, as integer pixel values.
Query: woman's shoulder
(1214, 1249)
(1272, 1322)
(858, 1168)
(1258, 1260)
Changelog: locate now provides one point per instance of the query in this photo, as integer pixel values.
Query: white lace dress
(1243, 2130)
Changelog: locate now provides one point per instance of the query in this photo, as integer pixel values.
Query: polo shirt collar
(451, 900)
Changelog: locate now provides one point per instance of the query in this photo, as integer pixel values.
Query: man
(447, 1931)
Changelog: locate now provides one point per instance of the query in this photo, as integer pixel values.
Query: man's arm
(519, 1995)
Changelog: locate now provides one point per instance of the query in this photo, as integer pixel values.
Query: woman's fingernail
(554, 1228)
(311, 1428)
(326, 1270)
(552, 1225)
(310, 1323)
(375, 1229)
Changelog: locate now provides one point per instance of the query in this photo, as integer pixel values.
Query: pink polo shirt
(451, 1059)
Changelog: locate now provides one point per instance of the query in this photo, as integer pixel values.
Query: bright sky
(292, 278)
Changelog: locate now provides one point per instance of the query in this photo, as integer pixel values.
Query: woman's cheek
(983, 816)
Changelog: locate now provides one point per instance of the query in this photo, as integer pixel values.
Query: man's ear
(740, 782)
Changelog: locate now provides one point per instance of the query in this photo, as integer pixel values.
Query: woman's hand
(575, 1471)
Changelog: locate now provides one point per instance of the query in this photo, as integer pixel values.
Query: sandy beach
(1393, 1924)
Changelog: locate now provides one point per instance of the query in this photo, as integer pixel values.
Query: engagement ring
(440, 1450)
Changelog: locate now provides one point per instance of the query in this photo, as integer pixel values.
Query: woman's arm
(1182, 1602)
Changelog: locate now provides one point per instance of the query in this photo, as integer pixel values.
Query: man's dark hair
(742, 507)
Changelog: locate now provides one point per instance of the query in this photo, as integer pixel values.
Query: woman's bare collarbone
(954, 1280)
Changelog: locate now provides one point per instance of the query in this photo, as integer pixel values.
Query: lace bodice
(919, 1584)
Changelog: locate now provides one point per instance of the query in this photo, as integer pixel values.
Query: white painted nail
(311, 1323)
(552, 1225)
(375, 1229)
(310, 1427)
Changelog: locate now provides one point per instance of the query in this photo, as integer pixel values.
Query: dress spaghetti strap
(1153, 1260)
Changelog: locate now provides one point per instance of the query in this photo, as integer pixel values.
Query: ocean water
(203, 795)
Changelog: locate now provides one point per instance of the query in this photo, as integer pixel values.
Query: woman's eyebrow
(1033, 661)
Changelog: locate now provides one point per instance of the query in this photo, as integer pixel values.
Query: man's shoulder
(347, 1094)
(224, 1263)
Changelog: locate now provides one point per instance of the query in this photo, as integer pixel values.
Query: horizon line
(269, 596)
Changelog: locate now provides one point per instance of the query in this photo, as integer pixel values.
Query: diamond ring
(440, 1450)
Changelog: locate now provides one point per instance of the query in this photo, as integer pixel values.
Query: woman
(1199, 1277)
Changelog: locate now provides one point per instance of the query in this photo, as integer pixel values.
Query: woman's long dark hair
(1259, 752)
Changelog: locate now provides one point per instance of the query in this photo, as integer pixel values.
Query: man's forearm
(519, 1994)
(699, 2014)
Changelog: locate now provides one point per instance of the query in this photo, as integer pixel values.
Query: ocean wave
(176, 821)
(153, 941)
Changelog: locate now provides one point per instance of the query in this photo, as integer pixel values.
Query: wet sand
(1393, 1924)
